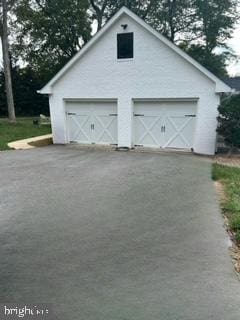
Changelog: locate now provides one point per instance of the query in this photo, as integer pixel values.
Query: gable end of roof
(221, 86)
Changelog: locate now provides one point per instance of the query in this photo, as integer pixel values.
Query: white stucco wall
(156, 71)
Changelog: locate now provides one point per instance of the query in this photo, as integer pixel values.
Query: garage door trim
(66, 100)
(180, 99)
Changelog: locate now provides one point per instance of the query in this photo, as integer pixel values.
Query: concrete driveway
(106, 235)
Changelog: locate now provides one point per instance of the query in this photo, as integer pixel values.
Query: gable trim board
(165, 101)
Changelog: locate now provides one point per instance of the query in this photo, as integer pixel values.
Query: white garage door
(164, 124)
(92, 122)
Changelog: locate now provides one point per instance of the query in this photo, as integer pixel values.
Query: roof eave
(221, 87)
(45, 90)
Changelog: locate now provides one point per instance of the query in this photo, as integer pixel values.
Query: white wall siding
(205, 137)
(125, 122)
(156, 71)
(58, 119)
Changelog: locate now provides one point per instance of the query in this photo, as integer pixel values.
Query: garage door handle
(92, 126)
(163, 129)
(113, 115)
(190, 115)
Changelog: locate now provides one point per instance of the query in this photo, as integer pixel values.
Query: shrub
(229, 121)
(27, 101)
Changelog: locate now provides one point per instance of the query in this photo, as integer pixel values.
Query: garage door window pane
(125, 45)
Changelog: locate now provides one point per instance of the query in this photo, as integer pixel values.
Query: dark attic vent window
(125, 45)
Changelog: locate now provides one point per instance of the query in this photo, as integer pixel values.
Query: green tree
(214, 62)
(50, 32)
(25, 85)
(103, 10)
(229, 121)
(215, 21)
(99, 10)
(173, 18)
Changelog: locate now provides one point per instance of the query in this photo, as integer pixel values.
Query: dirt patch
(235, 255)
(232, 161)
(220, 190)
(42, 143)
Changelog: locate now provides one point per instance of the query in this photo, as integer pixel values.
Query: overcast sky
(234, 43)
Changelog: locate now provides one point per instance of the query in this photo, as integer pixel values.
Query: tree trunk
(99, 22)
(172, 10)
(6, 64)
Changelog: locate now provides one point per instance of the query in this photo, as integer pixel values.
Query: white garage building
(130, 86)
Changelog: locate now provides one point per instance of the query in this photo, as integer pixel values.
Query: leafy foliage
(50, 32)
(216, 63)
(170, 17)
(173, 18)
(229, 120)
(103, 10)
(215, 20)
(27, 101)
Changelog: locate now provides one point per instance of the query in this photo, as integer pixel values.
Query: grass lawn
(23, 129)
(230, 179)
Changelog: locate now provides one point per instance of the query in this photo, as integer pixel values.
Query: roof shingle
(233, 82)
